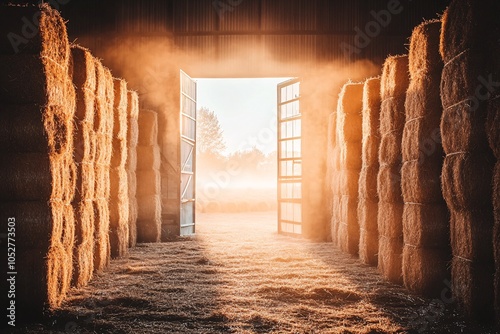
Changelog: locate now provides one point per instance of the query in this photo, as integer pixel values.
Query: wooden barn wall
(288, 31)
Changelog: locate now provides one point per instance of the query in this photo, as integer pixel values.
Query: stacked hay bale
(148, 179)
(425, 217)
(84, 79)
(118, 204)
(103, 127)
(466, 37)
(349, 132)
(131, 166)
(37, 171)
(334, 170)
(393, 87)
(368, 197)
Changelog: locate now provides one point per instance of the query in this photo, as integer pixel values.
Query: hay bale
(390, 149)
(368, 182)
(471, 232)
(367, 215)
(471, 285)
(45, 250)
(426, 225)
(119, 212)
(148, 182)
(348, 229)
(50, 40)
(84, 79)
(349, 120)
(390, 259)
(148, 157)
(467, 25)
(389, 184)
(390, 219)
(466, 180)
(371, 121)
(148, 127)
(421, 182)
(368, 229)
(120, 110)
(422, 139)
(464, 116)
(425, 270)
(424, 57)
(83, 251)
(102, 253)
(348, 183)
(395, 77)
(132, 225)
(119, 153)
(492, 128)
(423, 97)
(149, 218)
(368, 247)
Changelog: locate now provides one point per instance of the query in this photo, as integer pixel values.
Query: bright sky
(246, 109)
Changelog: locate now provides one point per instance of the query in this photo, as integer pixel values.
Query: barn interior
(387, 131)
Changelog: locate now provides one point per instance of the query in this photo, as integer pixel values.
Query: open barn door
(289, 158)
(188, 155)
(178, 132)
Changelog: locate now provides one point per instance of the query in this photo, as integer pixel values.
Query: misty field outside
(241, 181)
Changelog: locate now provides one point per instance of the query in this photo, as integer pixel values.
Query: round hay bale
(425, 270)
(367, 215)
(368, 247)
(424, 57)
(395, 77)
(390, 220)
(390, 261)
(472, 284)
(390, 149)
(368, 183)
(148, 157)
(426, 225)
(148, 182)
(389, 184)
(421, 182)
(466, 180)
(148, 128)
(471, 234)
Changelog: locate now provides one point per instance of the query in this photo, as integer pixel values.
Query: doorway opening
(244, 148)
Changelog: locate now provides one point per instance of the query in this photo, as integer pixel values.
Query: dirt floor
(239, 276)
